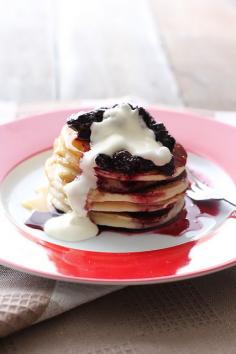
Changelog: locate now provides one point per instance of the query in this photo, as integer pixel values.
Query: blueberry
(161, 134)
(104, 161)
(146, 117)
(124, 162)
(81, 123)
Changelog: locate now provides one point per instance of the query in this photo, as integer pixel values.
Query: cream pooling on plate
(122, 128)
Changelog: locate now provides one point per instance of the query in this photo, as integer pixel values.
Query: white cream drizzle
(121, 129)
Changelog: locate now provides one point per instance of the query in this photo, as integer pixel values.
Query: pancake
(63, 167)
(151, 196)
(129, 221)
(136, 200)
(132, 207)
(132, 186)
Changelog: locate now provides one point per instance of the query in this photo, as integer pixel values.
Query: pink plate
(113, 258)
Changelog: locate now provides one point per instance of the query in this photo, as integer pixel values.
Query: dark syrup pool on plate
(188, 218)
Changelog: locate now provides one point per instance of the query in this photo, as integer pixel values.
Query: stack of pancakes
(139, 201)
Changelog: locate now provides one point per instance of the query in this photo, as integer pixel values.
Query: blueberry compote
(122, 161)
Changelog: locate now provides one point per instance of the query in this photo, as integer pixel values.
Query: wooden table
(164, 51)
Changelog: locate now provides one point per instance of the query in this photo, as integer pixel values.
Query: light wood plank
(200, 39)
(26, 51)
(110, 48)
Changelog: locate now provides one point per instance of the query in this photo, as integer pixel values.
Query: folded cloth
(26, 299)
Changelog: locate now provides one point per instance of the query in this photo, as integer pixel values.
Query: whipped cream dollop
(122, 128)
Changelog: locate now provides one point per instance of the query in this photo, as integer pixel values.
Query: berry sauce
(38, 219)
(188, 218)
